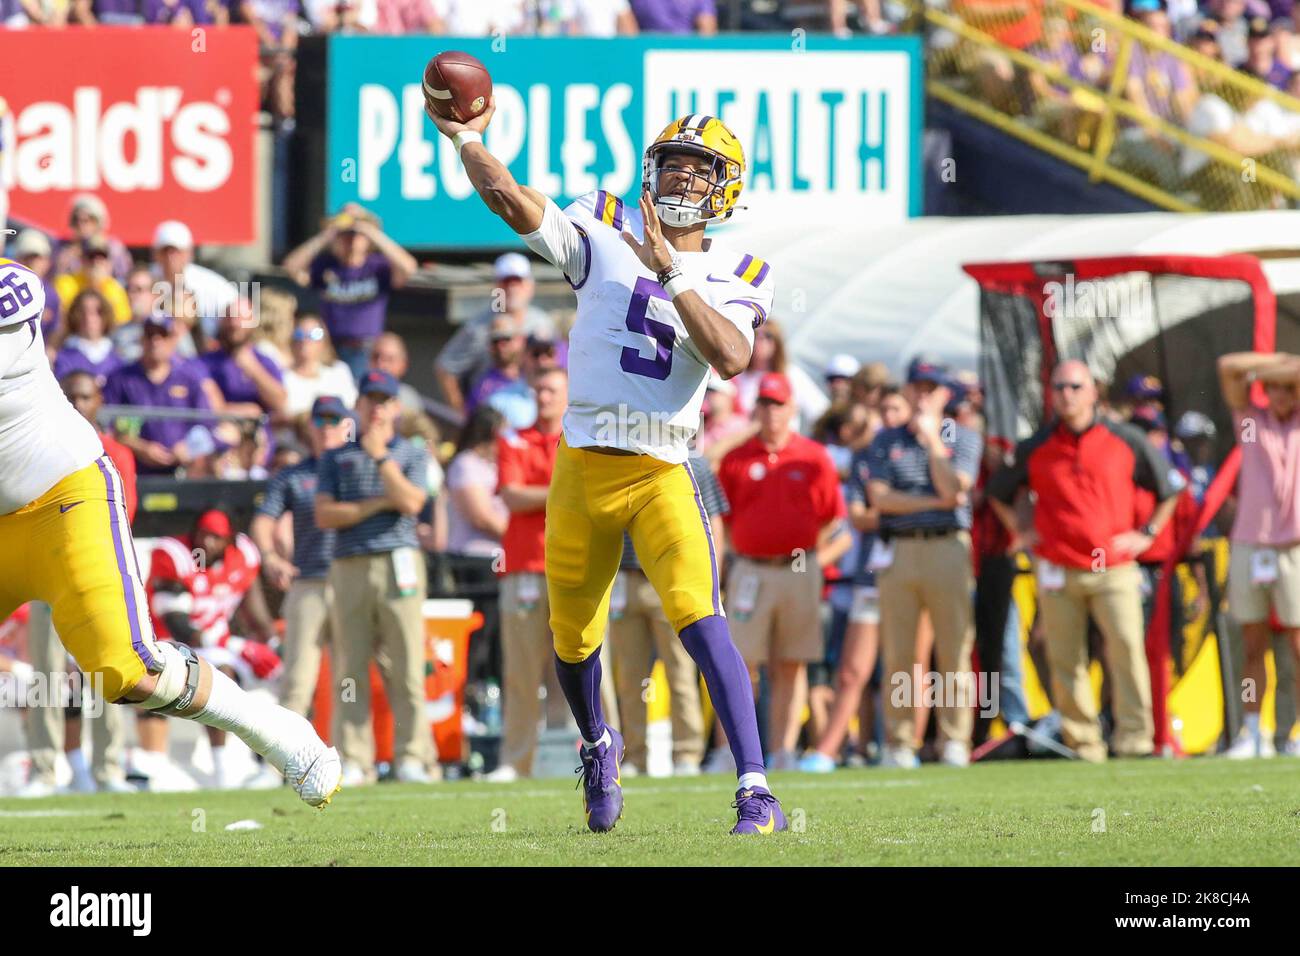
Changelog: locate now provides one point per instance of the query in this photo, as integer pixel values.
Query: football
(457, 85)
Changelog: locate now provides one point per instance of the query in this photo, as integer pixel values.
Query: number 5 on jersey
(663, 334)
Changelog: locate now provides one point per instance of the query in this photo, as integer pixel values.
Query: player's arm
(519, 206)
(718, 339)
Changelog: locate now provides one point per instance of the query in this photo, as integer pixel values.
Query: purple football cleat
(757, 811)
(602, 783)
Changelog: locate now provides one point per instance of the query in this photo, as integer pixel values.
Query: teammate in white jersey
(658, 304)
(65, 540)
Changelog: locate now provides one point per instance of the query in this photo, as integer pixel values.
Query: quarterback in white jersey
(658, 305)
(65, 540)
(628, 324)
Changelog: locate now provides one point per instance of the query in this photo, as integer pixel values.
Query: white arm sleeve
(563, 243)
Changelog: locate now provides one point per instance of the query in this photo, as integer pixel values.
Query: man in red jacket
(1085, 470)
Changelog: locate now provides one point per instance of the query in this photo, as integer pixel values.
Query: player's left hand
(655, 253)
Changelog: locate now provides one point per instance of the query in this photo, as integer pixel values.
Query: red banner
(157, 122)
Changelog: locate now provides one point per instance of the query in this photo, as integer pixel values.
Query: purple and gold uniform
(64, 534)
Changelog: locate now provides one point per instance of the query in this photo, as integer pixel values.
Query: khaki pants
(637, 632)
(45, 725)
(372, 620)
(774, 610)
(933, 574)
(1114, 600)
(527, 657)
(306, 633)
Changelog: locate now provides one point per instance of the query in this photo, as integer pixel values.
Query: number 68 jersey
(42, 438)
(636, 380)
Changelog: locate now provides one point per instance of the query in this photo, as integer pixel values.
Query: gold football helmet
(706, 136)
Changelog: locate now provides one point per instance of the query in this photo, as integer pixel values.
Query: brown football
(457, 85)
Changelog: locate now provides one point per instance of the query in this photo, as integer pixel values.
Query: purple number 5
(663, 334)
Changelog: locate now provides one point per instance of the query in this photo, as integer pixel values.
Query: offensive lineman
(65, 540)
(658, 304)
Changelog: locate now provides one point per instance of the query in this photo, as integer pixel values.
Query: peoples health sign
(831, 128)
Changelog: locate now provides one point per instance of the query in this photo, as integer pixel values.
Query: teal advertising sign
(831, 128)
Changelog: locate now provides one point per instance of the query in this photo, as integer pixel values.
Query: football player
(196, 585)
(65, 540)
(659, 303)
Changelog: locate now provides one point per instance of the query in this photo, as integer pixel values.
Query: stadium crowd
(869, 532)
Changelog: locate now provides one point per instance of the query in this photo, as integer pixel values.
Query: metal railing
(1128, 105)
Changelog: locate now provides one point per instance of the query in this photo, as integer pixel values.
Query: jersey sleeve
(749, 295)
(562, 242)
(22, 294)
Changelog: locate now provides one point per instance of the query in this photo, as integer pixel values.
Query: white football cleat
(316, 773)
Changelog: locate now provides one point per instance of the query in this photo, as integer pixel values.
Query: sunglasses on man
(314, 334)
(1064, 386)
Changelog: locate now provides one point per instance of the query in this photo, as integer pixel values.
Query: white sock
(80, 770)
(604, 738)
(1252, 723)
(269, 729)
(748, 781)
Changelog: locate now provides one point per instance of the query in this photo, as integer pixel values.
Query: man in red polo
(525, 461)
(1085, 471)
(787, 525)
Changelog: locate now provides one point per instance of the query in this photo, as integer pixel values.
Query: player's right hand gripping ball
(457, 86)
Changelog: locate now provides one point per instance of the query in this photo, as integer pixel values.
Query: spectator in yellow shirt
(96, 273)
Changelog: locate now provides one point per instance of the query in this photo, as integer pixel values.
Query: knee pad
(177, 683)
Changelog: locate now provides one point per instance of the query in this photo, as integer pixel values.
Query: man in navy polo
(371, 492)
(307, 597)
(919, 477)
(161, 380)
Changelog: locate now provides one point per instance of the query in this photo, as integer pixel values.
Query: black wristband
(668, 275)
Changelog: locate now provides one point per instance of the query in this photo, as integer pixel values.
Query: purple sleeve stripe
(762, 274)
(760, 314)
(618, 214)
(744, 264)
(586, 248)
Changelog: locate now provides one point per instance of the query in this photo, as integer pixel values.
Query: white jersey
(636, 381)
(42, 437)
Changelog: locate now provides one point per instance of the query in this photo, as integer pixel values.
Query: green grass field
(1039, 813)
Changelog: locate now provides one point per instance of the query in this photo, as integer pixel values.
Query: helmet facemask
(678, 209)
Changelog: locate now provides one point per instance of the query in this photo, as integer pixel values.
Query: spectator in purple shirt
(276, 24)
(1158, 81)
(1261, 60)
(186, 13)
(250, 382)
(107, 12)
(161, 380)
(355, 265)
(32, 249)
(676, 16)
(87, 346)
(507, 371)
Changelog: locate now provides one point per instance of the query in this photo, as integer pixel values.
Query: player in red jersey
(197, 584)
